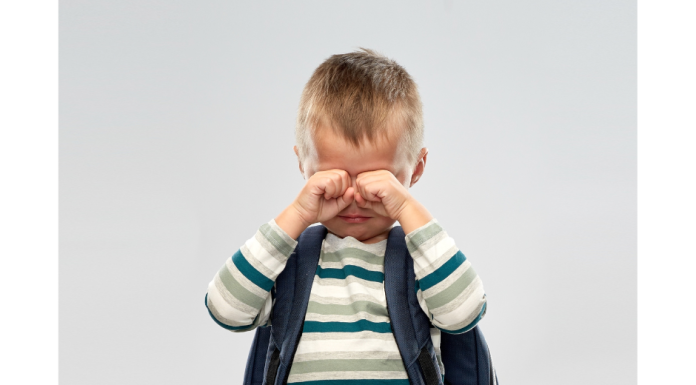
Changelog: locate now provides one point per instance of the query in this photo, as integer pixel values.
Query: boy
(359, 147)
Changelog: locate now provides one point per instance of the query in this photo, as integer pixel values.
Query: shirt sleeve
(448, 288)
(239, 296)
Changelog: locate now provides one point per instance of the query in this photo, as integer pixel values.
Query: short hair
(359, 93)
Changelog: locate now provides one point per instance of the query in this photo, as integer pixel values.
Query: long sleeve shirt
(347, 334)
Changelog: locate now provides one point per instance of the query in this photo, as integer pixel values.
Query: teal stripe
(442, 272)
(356, 271)
(346, 327)
(355, 382)
(470, 325)
(250, 272)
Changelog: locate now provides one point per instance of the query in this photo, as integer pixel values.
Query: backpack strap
(410, 325)
(256, 361)
(467, 359)
(293, 287)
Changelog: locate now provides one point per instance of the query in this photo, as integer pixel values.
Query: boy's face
(332, 151)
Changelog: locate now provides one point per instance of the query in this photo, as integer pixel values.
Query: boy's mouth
(354, 218)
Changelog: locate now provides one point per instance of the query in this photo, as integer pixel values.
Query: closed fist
(381, 192)
(325, 194)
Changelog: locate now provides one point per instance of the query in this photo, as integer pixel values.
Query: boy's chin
(366, 231)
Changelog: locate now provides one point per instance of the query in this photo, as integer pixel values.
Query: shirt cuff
(420, 229)
(423, 234)
(282, 234)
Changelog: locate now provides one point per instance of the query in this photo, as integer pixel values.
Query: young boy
(359, 146)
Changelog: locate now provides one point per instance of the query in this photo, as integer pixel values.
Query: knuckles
(367, 184)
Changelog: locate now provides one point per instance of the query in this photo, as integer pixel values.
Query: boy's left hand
(382, 193)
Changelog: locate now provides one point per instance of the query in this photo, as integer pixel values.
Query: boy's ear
(420, 166)
(297, 152)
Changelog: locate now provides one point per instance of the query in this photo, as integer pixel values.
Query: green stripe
(422, 236)
(276, 240)
(351, 309)
(448, 295)
(347, 366)
(238, 291)
(350, 252)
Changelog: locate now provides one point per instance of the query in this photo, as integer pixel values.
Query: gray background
(176, 129)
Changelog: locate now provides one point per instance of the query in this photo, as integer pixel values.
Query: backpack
(465, 356)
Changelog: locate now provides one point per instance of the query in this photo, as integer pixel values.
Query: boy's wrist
(413, 215)
(292, 221)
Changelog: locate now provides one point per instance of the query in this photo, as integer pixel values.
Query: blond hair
(359, 94)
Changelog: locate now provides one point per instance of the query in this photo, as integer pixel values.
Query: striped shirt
(347, 336)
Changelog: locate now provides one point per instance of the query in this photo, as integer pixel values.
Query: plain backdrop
(176, 135)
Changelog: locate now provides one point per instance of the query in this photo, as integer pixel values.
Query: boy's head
(361, 112)
(360, 96)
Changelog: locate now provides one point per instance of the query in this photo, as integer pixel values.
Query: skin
(357, 191)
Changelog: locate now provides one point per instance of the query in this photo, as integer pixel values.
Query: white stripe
(468, 308)
(357, 345)
(352, 262)
(435, 336)
(428, 262)
(314, 297)
(353, 288)
(363, 375)
(269, 308)
(224, 308)
(263, 257)
(338, 336)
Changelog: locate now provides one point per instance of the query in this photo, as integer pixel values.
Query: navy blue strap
(410, 324)
(253, 374)
(484, 359)
(467, 359)
(294, 285)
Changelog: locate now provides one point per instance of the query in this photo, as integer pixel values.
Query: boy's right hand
(325, 194)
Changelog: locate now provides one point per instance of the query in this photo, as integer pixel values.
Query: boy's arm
(239, 296)
(449, 290)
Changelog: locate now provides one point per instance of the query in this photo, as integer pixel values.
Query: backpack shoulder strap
(410, 325)
(293, 287)
(467, 359)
